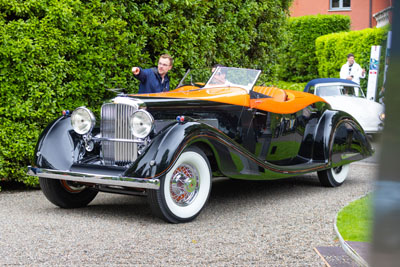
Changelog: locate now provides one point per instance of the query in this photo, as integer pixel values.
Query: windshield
(220, 77)
(197, 77)
(237, 77)
(334, 90)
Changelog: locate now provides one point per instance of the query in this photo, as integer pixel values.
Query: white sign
(373, 72)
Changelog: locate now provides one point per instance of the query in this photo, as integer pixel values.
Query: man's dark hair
(168, 56)
(350, 55)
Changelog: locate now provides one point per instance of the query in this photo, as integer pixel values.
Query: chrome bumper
(95, 178)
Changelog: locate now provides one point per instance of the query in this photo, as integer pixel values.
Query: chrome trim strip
(95, 178)
(117, 140)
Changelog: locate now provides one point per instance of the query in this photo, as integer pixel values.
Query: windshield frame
(251, 74)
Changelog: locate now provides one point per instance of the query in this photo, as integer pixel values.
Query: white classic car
(347, 96)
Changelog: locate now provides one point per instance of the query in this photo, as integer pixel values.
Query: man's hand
(135, 70)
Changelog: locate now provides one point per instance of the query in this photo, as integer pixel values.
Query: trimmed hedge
(332, 50)
(290, 85)
(298, 63)
(57, 55)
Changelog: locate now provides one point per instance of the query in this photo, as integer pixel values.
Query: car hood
(366, 112)
(354, 103)
(193, 98)
(231, 96)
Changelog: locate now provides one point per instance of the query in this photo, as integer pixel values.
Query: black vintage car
(169, 146)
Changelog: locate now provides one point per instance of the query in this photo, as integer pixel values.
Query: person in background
(154, 80)
(219, 77)
(351, 70)
(215, 66)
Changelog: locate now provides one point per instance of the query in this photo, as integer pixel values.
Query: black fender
(231, 159)
(340, 140)
(58, 145)
(165, 148)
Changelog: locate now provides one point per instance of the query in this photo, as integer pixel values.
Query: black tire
(333, 177)
(184, 190)
(63, 194)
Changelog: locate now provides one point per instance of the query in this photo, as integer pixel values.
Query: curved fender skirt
(153, 183)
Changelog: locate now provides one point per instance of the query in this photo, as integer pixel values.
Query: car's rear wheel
(335, 176)
(184, 190)
(66, 194)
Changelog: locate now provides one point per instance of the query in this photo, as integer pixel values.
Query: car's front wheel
(66, 194)
(184, 190)
(335, 176)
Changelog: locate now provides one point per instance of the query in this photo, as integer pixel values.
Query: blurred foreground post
(386, 229)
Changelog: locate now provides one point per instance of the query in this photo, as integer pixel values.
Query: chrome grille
(115, 125)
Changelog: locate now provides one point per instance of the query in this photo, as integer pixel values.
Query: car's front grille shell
(115, 126)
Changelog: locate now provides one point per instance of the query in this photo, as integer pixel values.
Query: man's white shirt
(355, 70)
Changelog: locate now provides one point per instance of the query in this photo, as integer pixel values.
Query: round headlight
(82, 120)
(141, 123)
(382, 116)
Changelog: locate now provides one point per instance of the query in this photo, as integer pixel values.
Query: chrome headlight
(141, 123)
(382, 116)
(82, 120)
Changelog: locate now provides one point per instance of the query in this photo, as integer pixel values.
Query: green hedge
(332, 50)
(57, 55)
(298, 63)
(290, 85)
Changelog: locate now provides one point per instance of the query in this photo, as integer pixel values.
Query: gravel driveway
(273, 223)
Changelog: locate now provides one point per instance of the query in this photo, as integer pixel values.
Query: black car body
(168, 146)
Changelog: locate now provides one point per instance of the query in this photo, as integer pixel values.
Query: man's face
(350, 60)
(219, 76)
(163, 66)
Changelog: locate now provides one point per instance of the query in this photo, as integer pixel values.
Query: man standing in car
(154, 80)
(351, 70)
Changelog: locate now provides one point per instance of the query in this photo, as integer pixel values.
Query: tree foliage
(61, 54)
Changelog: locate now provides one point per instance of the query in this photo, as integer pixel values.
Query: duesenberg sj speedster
(168, 146)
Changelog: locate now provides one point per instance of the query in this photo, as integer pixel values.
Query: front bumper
(153, 183)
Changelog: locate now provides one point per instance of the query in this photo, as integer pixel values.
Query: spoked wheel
(66, 194)
(335, 176)
(184, 190)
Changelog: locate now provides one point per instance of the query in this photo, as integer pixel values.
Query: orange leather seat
(276, 93)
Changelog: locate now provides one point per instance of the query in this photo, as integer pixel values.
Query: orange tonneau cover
(294, 101)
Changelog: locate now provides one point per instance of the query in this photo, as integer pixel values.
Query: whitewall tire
(335, 176)
(184, 190)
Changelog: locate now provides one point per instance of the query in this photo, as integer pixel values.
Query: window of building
(339, 4)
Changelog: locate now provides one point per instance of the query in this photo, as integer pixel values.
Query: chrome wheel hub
(184, 185)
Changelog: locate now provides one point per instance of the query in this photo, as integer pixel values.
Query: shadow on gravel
(112, 208)
(139, 211)
(232, 189)
(226, 194)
